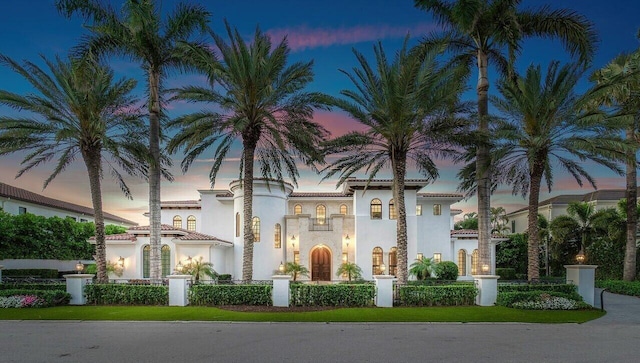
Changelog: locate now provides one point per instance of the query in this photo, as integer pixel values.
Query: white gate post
(280, 292)
(1, 267)
(179, 290)
(487, 289)
(75, 287)
(584, 276)
(384, 290)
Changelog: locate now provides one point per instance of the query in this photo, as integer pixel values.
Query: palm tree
(499, 220)
(264, 105)
(408, 107)
(619, 88)
(198, 268)
(478, 31)
(295, 270)
(139, 32)
(422, 268)
(352, 270)
(81, 111)
(543, 124)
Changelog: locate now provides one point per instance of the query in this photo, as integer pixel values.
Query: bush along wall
(333, 295)
(29, 286)
(230, 295)
(563, 288)
(453, 295)
(124, 294)
(631, 288)
(541, 300)
(42, 273)
(25, 298)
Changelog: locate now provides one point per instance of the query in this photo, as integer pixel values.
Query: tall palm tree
(408, 106)
(264, 105)
(619, 89)
(499, 220)
(479, 31)
(544, 123)
(140, 33)
(80, 111)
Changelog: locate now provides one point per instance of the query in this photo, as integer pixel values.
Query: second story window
(392, 210)
(376, 209)
(437, 209)
(321, 214)
(177, 222)
(191, 223)
(297, 209)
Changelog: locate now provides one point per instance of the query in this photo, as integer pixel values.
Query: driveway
(621, 309)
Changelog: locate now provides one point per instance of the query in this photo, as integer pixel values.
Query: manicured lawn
(439, 314)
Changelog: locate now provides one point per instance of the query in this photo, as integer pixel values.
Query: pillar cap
(488, 277)
(179, 277)
(281, 277)
(78, 276)
(384, 277)
(582, 267)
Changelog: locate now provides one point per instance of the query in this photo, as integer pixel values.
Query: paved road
(614, 338)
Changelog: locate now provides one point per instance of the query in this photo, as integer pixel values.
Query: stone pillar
(179, 290)
(583, 276)
(487, 289)
(384, 290)
(1, 267)
(75, 287)
(280, 292)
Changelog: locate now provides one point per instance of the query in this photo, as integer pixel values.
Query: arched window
(191, 223)
(343, 209)
(475, 262)
(146, 267)
(437, 209)
(177, 222)
(392, 210)
(393, 261)
(376, 209)
(165, 260)
(277, 238)
(376, 258)
(462, 262)
(321, 214)
(255, 226)
(238, 224)
(297, 209)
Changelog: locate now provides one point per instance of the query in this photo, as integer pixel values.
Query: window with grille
(475, 257)
(393, 261)
(419, 209)
(343, 209)
(376, 209)
(277, 236)
(437, 209)
(177, 222)
(297, 209)
(165, 260)
(376, 261)
(392, 210)
(191, 223)
(255, 227)
(321, 214)
(462, 262)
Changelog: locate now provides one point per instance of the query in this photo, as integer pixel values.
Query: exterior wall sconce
(293, 237)
(485, 268)
(347, 238)
(437, 257)
(383, 268)
(79, 267)
(121, 262)
(420, 256)
(179, 267)
(580, 257)
(281, 268)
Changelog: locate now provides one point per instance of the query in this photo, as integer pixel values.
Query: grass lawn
(438, 314)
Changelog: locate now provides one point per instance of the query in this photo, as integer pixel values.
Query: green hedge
(509, 298)
(29, 286)
(52, 298)
(124, 294)
(451, 295)
(230, 295)
(506, 273)
(43, 273)
(631, 288)
(563, 288)
(332, 295)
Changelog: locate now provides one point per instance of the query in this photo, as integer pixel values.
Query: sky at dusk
(323, 31)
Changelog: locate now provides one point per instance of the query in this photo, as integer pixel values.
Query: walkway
(621, 309)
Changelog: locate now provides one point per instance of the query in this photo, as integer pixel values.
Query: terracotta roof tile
(184, 236)
(117, 237)
(319, 195)
(471, 232)
(441, 195)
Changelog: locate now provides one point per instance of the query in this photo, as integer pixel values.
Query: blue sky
(322, 31)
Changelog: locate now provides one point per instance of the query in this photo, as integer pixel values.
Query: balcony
(320, 224)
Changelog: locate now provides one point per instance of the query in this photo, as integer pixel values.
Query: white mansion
(317, 230)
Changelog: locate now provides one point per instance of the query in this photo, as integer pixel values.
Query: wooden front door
(321, 264)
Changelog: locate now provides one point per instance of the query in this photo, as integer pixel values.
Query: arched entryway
(321, 264)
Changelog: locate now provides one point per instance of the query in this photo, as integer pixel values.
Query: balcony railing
(320, 224)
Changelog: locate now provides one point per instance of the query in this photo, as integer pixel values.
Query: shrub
(31, 286)
(451, 295)
(631, 288)
(506, 273)
(50, 298)
(563, 288)
(333, 295)
(230, 295)
(541, 300)
(509, 298)
(43, 273)
(21, 301)
(125, 294)
(446, 270)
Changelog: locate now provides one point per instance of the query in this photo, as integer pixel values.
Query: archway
(321, 264)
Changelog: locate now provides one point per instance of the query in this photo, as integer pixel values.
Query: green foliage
(295, 270)
(446, 270)
(469, 221)
(421, 268)
(563, 288)
(51, 297)
(230, 295)
(198, 268)
(125, 294)
(113, 229)
(513, 253)
(506, 273)
(43, 273)
(29, 286)
(450, 295)
(347, 295)
(351, 269)
(631, 288)
(30, 236)
(507, 299)
(609, 256)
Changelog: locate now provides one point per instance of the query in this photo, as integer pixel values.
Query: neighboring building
(557, 206)
(19, 201)
(317, 230)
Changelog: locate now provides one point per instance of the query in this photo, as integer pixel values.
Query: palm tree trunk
(92, 161)
(249, 146)
(154, 174)
(483, 161)
(533, 267)
(399, 172)
(629, 273)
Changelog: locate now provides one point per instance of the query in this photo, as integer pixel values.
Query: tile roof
(441, 195)
(182, 234)
(117, 237)
(180, 202)
(603, 194)
(319, 195)
(12, 192)
(471, 232)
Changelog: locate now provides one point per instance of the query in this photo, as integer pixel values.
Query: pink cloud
(302, 38)
(337, 123)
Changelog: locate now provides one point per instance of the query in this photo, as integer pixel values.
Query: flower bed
(45, 298)
(541, 300)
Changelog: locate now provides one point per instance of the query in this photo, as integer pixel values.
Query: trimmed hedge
(51, 298)
(332, 295)
(124, 294)
(509, 298)
(230, 295)
(631, 288)
(506, 273)
(29, 286)
(43, 273)
(446, 270)
(451, 295)
(563, 288)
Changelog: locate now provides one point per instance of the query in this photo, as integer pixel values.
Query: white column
(487, 289)
(179, 290)
(584, 277)
(1, 267)
(280, 292)
(75, 287)
(384, 290)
